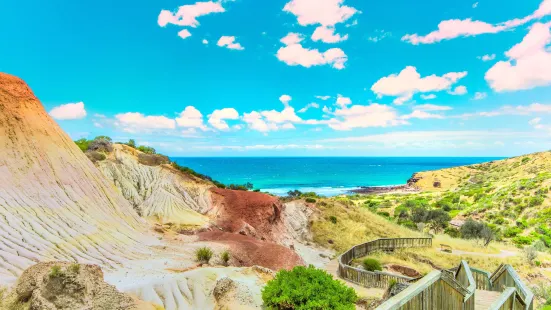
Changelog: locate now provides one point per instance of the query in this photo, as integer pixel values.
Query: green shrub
(225, 256)
(453, 232)
(307, 288)
(383, 213)
(74, 268)
(147, 149)
(333, 219)
(203, 255)
(310, 200)
(56, 272)
(511, 232)
(522, 240)
(371, 264)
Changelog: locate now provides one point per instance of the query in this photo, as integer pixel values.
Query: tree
(83, 144)
(294, 193)
(131, 143)
(438, 219)
(419, 215)
(103, 138)
(472, 229)
(249, 185)
(307, 288)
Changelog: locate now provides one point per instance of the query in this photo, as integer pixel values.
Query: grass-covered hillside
(510, 196)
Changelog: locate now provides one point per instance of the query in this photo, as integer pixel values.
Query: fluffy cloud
(218, 117)
(184, 34)
(138, 122)
(327, 35)
(285, 99)
(294, 54)
(479, 95)
(286, 115)
(190, 117)
(458, 91)
(432, 107)
(422, 115)
(69, 111)
(409, 82)
(187, 14)
(322, 12)
(364, 116)
(255, 122)
(450, 29)
(487, 57)
(205, 41)
(323, 97)
(535, 122)
(229, 42)
(428, 97)
(529, 63)
(343, 101)
(308, 106)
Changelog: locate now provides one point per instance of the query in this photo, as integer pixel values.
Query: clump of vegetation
(225, 256)
(188, 170)
(472, 229)
(543, 292)
(307, 288)
(310, 200)
(74, 268)
(203, 255)
(333, 219)
(56, 272)
(371, 264)
(530, 253)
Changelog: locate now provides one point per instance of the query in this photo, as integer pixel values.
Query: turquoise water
(324, 175)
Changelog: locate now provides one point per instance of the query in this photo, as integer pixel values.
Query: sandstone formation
(54, 204)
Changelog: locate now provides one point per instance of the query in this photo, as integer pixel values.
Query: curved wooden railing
(505, 276)
(377, 278)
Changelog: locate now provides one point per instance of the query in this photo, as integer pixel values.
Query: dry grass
(354, 225)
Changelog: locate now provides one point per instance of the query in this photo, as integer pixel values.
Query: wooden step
(483, 299)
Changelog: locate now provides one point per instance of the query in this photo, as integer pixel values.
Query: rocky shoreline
(409, 187)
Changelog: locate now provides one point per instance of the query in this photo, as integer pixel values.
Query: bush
(371, 264)
(305, 288)
(56, 272)
(203, 255)
(101, 144)
(310, 200)
(294, 193)
(131, 143)
(74, 268)
(225, 256)
(530, 253)
(147, 149)
(83, 144)
(333, 219)
(383, 213)
(522, 240)
(452, 232)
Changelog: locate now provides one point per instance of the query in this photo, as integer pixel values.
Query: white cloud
(479, 95)
(409, 82)
(422, 115)
(296, 55)
(458, 91)
(432, 107)
(529, 63)
(184, 34)
(286, 115)
(381, 34)
(323, 97)
(255, 122)
(322, 12)
(69, 111)
(187, 14)
(285, 99)
(287, 126)
(475, 5)
(487, 57)
(343, 101)
(205, 41)
(190, 117)
(428, 97)
(138, 122)
(292, 38)
(327, 34)
(218, 117)
(229, 42)
(534, 108)
(535, 122)
(360, 116)
(308, 106)
(453, 28)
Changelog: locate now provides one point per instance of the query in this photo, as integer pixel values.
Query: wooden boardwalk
(484, 299)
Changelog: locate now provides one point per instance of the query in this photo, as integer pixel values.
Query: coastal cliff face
(55, 205)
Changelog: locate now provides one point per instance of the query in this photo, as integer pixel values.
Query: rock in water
(54, 204)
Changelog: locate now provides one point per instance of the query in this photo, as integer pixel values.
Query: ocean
(328, 176)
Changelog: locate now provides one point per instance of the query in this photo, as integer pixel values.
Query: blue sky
(233, 78)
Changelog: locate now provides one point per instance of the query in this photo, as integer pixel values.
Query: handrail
(410, 292)
(502, 299)
(471, 287)
(376, 279)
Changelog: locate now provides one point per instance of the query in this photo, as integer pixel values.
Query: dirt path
(332, 268)
(501, 254)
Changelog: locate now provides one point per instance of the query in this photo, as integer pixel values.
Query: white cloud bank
(294, 54)
(187, 15)
(69, 111)
(230, 43)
